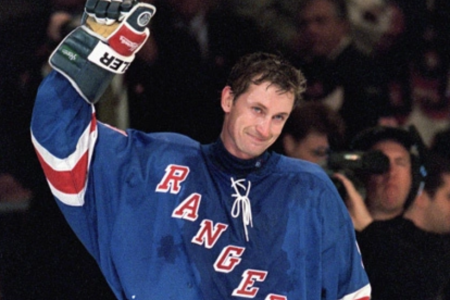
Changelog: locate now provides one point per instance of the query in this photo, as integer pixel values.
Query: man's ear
(226, 99)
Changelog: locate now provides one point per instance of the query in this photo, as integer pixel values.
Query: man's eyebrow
(402, 158)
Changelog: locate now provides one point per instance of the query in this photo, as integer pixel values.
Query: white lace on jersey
(242, 202)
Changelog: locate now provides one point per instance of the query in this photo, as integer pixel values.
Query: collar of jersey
(233, 165)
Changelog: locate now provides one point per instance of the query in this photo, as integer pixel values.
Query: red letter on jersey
(246, 288)
(174, 176)
(207, 235)
(228, 259)
(275, 297)
(188, 208)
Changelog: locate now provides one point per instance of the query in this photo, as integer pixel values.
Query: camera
(373, 162)
(355, 165)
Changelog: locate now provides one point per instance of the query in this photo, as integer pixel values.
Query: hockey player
(168, 218)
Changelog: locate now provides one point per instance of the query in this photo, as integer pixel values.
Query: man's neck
(417, 217)
(232, 164)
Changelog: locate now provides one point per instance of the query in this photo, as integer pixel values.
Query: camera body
(356, 165)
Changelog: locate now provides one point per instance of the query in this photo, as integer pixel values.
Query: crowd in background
(368, 63)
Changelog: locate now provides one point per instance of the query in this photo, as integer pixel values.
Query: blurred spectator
(408, 40)
(311, 131)
(22, 60)
(388, 194)
(430, 78)
(177, 88)
(415, 17)
(378, 24)
(338, 73)
(390, 48)
(275, 18)
(369, 21)
(36, 245)
(18, 84)
(408, 257)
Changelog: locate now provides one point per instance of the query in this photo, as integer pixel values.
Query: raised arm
(63, 127)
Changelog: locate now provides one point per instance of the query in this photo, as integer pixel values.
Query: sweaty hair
(260, 67)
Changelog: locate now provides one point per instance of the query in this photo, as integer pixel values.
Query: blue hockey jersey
(168, 218)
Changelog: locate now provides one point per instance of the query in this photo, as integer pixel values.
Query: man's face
(314, 147)
(438, 209)
(255, 119)
(321, 28)
(387, 193)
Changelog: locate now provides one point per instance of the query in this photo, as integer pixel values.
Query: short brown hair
(260, 67)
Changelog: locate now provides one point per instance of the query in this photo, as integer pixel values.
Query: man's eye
(320, 152)
(257, 109)
(279, 118)
(403, 162)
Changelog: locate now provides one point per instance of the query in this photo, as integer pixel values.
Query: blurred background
(174, 85)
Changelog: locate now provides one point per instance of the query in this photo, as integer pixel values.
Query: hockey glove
(104, 45)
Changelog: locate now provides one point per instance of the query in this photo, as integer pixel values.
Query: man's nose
(263, 128)
(392, 170)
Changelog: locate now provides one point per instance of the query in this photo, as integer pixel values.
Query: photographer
(406, 255)
(389, 193)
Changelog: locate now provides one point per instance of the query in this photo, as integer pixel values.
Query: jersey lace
(241, 205)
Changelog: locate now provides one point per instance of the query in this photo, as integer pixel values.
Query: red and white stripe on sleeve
(361, 294)
(67, 177)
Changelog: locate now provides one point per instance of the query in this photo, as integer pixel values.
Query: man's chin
(392, 204)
